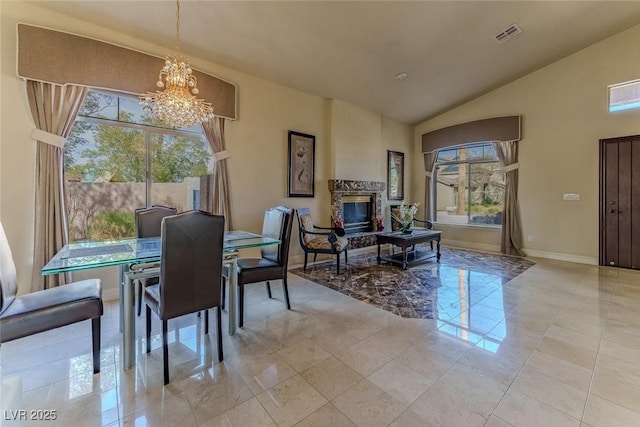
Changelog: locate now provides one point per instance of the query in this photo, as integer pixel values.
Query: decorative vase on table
(406, 228)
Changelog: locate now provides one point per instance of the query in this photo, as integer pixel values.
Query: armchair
(423, 223)
(395, 226)
(328, 241)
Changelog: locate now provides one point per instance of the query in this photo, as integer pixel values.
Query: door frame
(601, 199)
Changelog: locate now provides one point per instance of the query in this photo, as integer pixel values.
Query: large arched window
(118, 158)
(468, 186)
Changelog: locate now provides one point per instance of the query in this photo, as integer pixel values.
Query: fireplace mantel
(356, 187)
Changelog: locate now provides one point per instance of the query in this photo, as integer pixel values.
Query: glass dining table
(137, 259)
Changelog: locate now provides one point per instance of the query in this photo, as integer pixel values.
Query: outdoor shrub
(113, 225)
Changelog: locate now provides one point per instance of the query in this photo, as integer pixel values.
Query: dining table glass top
(105, 253)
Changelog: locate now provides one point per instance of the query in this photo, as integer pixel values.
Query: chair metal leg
(338, 263)
(285, 292)
(315, 256)
(222, 292)
(305, 261)
(139, 296)
(148, 315)
(346, 260)
(206, 322)
(220, 355)
(165, 352)
(95, 337)
(240, 306)
(268, 290)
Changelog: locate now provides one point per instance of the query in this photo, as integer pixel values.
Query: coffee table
(406, 240)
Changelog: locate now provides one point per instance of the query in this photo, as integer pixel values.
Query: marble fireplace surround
(343, 187)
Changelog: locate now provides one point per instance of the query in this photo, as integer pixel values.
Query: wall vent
(511, 31)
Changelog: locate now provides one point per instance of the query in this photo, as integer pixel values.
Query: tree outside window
(469, 186)
(118, 158)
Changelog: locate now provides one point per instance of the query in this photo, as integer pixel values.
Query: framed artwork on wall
(302, 158)
(395, 175)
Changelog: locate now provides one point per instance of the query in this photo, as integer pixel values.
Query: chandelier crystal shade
(177, 104)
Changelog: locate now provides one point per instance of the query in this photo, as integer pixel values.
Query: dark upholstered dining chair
(25, 315)
(190, 274)
(148, 223)
(329, 240)
(272, 265)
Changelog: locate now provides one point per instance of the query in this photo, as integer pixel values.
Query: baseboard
(561, 257)
(485, 247)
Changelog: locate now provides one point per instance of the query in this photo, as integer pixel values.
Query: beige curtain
(511, 227)
(429, 163)
(220, 203)
(54, 109)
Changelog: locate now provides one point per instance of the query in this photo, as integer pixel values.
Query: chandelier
(177, 105)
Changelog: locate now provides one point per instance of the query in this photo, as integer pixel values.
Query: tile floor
(428, 290)
(557, 345)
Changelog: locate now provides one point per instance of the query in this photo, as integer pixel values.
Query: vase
(405, 228)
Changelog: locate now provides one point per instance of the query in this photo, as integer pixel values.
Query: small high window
(624, 96)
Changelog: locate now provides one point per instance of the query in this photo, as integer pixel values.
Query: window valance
(495, 129)
(61, 58)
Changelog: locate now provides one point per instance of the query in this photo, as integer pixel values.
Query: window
(624, 96)
(469, 186)
(118, 158)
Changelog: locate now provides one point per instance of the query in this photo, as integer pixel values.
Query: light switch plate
(571, 196)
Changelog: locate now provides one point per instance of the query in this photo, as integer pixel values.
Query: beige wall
(356, 140)
(257, 141)
(564, 111)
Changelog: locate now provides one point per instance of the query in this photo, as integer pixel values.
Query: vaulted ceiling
(353, 50)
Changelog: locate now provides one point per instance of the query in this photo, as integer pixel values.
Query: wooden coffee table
(406, 240)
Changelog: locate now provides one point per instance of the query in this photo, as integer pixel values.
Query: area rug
(420, 291)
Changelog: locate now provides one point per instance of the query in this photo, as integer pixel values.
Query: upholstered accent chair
(190, 274)
(148, 223)
(395, 226)
(320, 240)
(25, 315)
(274, 260)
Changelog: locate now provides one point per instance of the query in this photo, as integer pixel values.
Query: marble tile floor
(557, 345)
(428, 290)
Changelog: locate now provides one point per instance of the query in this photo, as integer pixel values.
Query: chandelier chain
(177, 28)
(177, 105)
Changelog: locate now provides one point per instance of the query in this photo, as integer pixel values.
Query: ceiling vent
(509, 32)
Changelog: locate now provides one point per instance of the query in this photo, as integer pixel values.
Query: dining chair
(148, 223)
(272, 265)
(52, 308)
(190, 274)
(329, 240)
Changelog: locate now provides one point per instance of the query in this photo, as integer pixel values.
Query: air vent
(505, 35)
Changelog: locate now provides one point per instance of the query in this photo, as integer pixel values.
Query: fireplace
(356, 213)
(357, 204)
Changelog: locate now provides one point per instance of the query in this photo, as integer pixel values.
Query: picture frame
(395, 175)
(301, 164)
